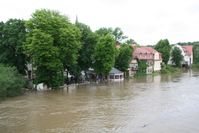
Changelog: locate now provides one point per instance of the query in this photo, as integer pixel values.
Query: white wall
(157, 65)
(157, 62)
(189, 59)
(156, 56)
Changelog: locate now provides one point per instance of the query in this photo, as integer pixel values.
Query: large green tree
(164, 47)
(53, 44)
(104, 55)
(176, 56)
(45, 57)
(12, 37)
(88, 43)
(124, 57)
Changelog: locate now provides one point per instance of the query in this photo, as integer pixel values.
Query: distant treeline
(188, 43)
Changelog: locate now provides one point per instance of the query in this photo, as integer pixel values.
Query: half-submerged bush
(11, 82)
(142, 66)
(169, 69)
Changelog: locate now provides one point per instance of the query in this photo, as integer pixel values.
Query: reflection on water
(167, 103)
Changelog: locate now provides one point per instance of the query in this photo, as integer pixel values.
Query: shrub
(169, 69)
(142, 66)
(11, 82)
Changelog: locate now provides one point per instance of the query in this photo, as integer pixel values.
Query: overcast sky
(145, 21)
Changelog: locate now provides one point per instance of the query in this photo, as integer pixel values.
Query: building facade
(152, 57)
(187, 53)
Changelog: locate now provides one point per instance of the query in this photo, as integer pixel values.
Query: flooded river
(166, 104)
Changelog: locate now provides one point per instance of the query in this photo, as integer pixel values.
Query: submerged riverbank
(162, 103)
(167, 70)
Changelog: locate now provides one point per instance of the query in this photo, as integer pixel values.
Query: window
(117, 76)
(111, 76)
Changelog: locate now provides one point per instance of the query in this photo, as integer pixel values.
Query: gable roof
(145, 53)
(188, 49)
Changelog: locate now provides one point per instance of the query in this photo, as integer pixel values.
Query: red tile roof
(188, 49)
(144, 53)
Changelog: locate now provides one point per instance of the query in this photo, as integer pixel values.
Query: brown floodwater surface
(151, 104)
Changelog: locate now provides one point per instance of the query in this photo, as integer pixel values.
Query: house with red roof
(187, 53)
(188, 58)
(152, 57)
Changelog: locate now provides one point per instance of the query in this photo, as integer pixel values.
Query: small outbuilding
(116, 75)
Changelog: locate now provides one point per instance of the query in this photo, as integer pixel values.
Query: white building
(187, 53)
(116, 75)
(148, 54)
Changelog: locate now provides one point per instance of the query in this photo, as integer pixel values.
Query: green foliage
(45, 57)
(131, 41)
(168, 69)
(1, 32)
(104, 31)
(188, 43)
(12, 37)
(104, 55)
(88, 42)
(53, 44)
(164, 47)
(196, 53)
(195, 66)
(11, 82)
(176, 56)
(142, 66)
(195, 50)
(116, 33)
(124, 57)
(75, 70)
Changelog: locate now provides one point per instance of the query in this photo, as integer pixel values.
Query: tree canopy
(124, 57)
(53, 44)
(176, 56)
(12, 37)
(131, 41)
(104, 55)
(116, 33)
(104, 31)
(164, 47)
(88, 42)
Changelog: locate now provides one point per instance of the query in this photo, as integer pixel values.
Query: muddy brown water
(166, 104)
